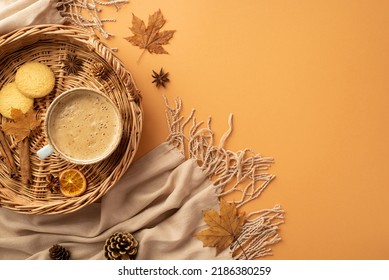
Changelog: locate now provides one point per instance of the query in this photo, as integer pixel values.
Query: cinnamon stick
(25, 167)
(7, 154)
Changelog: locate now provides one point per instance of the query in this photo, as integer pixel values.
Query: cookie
(11, 97)
(34, 79)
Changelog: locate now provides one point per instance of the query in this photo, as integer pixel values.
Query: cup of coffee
(83, 126)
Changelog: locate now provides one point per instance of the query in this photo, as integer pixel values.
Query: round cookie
(34, 79)
(11, 97)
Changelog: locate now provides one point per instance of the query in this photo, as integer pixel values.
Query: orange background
(307, 82)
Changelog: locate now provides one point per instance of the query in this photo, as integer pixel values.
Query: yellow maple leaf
(23, 124)
(223, 229)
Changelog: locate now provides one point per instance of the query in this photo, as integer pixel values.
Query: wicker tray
(50, 44)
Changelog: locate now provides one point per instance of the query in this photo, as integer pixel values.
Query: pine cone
(57, 252)
(98, 70)
(121, 246)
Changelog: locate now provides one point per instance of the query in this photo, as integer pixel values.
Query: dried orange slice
(72, 182)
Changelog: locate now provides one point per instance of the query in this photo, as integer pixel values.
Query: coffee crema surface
(84, 126)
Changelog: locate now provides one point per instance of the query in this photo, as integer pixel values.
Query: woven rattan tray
(50, 44)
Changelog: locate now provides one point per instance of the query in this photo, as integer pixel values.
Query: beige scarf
(20, 13)
(83, 13)
(160, 199)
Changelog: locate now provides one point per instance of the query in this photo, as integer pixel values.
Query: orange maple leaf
(150, 38)
(224, 228)
(23, 124)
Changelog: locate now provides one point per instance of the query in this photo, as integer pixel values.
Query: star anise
(52, 183)
(160, 78)
(72, 64)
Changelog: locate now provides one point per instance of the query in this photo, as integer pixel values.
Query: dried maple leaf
(150, 38)
(223, 228)
(23, 124)
(21, 129)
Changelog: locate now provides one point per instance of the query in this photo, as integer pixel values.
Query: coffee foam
(84, 126)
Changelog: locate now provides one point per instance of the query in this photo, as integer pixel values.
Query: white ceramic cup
(88, 123)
